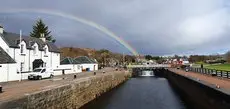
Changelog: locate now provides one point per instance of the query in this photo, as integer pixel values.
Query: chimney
(43, 37)
(1, 29)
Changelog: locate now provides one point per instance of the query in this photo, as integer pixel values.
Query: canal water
(140, 93)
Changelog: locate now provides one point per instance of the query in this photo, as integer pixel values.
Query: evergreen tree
(41, 28)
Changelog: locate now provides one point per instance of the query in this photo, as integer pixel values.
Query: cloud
(151, 26)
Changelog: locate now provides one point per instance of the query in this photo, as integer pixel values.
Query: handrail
(144, 66)
(212, 72)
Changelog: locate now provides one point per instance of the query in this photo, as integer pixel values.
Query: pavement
(14, 90)
(219, 83)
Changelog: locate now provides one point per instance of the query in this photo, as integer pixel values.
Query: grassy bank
(215, 66)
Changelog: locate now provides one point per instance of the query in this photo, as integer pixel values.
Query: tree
(148, 57)
(103, 56)
(41, 28)
(227, 56)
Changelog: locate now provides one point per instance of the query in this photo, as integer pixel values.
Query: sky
(157, 27)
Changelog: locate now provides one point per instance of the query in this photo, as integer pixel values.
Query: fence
(212, 72)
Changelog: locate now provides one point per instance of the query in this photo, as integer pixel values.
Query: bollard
(0, 89)
(103, 72)
(75, 76)
(94, 73)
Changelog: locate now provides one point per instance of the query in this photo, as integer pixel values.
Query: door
(37, 63)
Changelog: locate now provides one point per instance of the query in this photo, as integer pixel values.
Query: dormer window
(22, 49)
(45, 50)
(35, 50)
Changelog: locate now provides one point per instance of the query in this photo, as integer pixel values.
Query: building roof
(12, 40)
(69, 60)
(85, 60)
(5, 58)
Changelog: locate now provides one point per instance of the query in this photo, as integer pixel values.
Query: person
(186, 69)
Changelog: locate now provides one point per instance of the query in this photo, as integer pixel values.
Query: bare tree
(227, 56)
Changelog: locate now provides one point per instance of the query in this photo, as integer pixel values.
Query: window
(35, 50)
(22, 49)
(45, 50)
(78, 67)
(22, 66)
(44, 70)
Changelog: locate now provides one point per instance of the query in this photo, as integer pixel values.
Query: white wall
(55, 62)
(90, 66)
(71, 68)
(3, 71)
(8, 72)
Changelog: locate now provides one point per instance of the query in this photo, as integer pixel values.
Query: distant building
(25, 55)
(87, 63)
(181, 61)
(76, 65)
(149, 62)
(69, 65)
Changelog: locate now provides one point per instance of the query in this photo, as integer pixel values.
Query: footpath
(14, 90)
(222, 84)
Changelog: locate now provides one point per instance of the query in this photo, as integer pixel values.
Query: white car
(40, 73)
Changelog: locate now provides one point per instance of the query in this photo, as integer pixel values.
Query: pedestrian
(75, 76)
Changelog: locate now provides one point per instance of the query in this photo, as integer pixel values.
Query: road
(223, 83)
(14, 90)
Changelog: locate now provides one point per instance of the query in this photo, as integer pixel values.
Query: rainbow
(78, 19)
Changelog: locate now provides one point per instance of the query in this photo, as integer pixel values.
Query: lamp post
(20, 72)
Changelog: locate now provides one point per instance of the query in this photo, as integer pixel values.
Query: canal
(140, 93)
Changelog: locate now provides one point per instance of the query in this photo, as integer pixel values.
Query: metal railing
(150, 66)
(212, 72)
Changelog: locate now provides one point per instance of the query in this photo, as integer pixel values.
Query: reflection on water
(139, 93)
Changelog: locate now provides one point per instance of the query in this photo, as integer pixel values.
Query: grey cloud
(151, 26)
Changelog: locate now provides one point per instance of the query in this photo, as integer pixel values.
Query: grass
(215, 66)
(219, 67)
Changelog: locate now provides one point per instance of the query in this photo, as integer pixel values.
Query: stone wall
(196, 94)
(69, 96)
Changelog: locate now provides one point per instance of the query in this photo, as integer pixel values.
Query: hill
(103, 56)
(75, 52)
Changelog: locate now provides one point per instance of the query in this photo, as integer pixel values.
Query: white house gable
(23, 49)
(28, 54)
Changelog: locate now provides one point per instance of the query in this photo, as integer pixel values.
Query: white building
(69, 65)
(87, 64)
(83, 63)
(23, 57)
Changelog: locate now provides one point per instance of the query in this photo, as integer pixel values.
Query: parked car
(40, 73)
